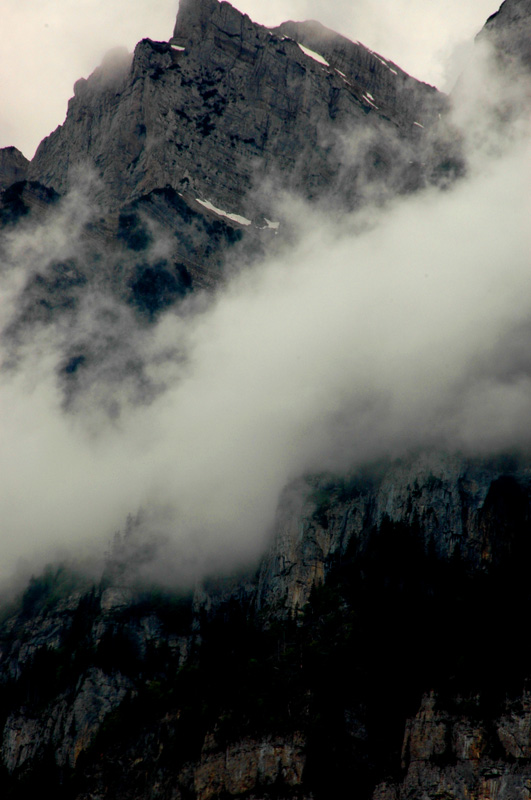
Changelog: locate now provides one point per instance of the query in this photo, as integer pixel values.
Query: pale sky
(46, 45)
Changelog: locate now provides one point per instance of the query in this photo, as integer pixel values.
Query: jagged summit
(206, 15)
(228, 104)
(209, 127)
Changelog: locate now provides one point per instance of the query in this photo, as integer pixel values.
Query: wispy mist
(364, 337)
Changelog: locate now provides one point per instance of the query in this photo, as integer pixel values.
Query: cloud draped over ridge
(353, 342)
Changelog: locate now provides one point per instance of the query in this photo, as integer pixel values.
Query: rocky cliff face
(191, 142)
(457, 504)
(194, 140)
(452, 755)
(227, 106)
(377, 650)
(510, 31)
(379, 645)
(13, 166)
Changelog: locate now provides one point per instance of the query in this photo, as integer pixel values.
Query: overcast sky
(46, 45)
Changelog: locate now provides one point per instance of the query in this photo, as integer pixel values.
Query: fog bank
(364, 338)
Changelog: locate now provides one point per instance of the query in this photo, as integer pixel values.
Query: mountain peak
(509, 30)
(196, 18)
(263, 106)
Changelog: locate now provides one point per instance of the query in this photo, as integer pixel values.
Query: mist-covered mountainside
(265, 454)
(200, 134)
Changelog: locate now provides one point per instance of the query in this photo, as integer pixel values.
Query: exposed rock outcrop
(473, 508)
(379, 647)
(453, 756)
(13, 166)
(249, 765)
(227, 106)
(509, 30)
(67, 727)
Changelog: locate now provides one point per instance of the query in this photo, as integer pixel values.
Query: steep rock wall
(457, 757)
(13, 166)
(458, 505)
(227, 105)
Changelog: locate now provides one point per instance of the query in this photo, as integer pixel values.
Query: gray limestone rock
(509, 30)
(271, 763)
(227, 108)
(13, 166)
(447, 755)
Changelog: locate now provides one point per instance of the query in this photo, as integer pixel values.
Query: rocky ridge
(13, 166)
(191, 142)
(228, 106)
(509, 29)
